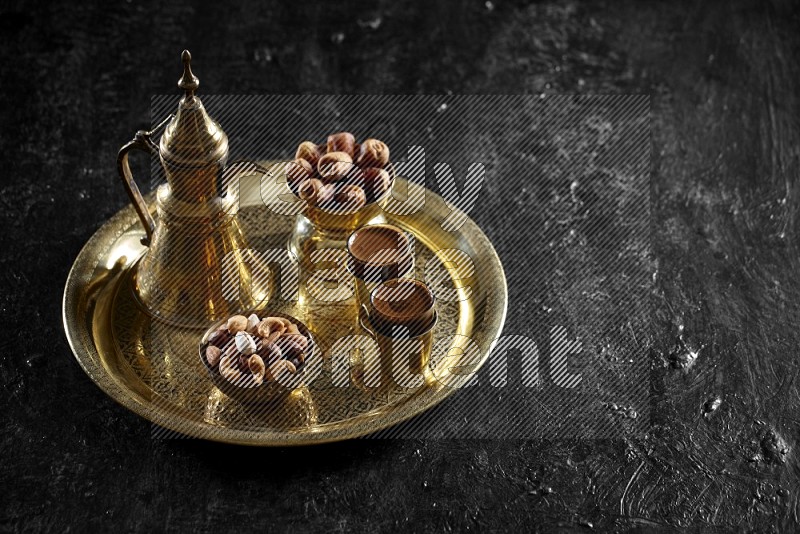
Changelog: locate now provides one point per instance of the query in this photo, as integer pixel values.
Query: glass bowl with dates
(342, 182)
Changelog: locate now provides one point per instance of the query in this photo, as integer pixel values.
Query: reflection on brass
(194, 238)
(293, 412)
(401, 362)
(152, 368)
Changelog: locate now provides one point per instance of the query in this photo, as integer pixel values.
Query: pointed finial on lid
(188, 81)
(192, 138)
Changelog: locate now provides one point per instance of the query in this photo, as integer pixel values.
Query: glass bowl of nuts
(254, 359)
(343, 183)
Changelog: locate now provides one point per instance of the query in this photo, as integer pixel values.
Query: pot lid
(192, 138)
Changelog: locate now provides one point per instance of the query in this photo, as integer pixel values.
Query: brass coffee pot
(197, 268)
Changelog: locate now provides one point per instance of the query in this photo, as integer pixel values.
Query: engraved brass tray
(153, 369)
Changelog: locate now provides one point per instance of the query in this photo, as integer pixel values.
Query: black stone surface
(76, 82)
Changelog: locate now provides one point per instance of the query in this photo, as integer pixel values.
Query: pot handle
(142, 141)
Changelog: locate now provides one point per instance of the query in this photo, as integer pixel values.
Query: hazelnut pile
(248, 350)
(341, 175)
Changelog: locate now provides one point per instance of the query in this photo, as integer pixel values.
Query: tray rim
(108, 384)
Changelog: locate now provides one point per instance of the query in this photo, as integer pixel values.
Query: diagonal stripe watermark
(561, 186)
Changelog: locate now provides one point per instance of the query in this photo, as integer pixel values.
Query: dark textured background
(76, 82)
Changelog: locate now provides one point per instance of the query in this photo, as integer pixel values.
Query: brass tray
(152, 368)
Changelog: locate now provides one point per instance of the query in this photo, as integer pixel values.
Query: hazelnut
(351, 198)
(342, 142)
(298, 170)
(308, 190)
(245, 343)
(309, 152)
(213, 355)
(334, 164)
(376, 182)
(374, 153)
(236, 324)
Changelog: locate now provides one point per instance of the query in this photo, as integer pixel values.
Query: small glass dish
(248, 390)
(330, 220)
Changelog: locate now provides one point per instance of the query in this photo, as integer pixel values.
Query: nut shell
(373, 153)
(376, 182)
(309, 152)
(351, 198)
(342, 142)
(334, 165)
(325, 197)
(297, 171)
(354, 176)
(309, 190)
